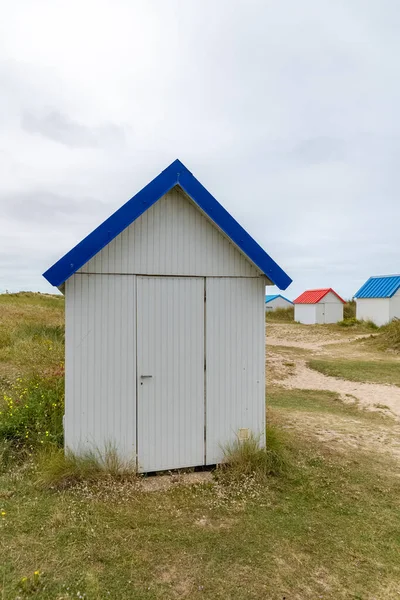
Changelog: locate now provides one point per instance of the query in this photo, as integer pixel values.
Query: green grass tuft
(247, 458)
(60, 470)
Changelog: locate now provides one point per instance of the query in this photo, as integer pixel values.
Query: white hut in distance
(165, 328)
(274, 301)
(318, 306)
(378, 300)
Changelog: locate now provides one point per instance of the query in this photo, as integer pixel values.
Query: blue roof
(379, 287)
(268, 298)
(174, 175)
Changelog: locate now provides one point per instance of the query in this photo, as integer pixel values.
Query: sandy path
(370, 395)
(292, 372)
(308, 338)
(317, 345)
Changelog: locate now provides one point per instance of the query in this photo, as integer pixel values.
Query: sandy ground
(314, 338)
(161, 483)
(289, 346)
(370, 395)
(291, 371)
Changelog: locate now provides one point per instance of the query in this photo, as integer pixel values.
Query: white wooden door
(170, 372)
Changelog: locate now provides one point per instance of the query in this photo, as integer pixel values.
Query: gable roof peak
(175, 174)
(315, 296)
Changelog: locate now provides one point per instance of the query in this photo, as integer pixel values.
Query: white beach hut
(378, 300)
(274, 301)
(165, 348)
(318, 306)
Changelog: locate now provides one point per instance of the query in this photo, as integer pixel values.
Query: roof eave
(175, 174)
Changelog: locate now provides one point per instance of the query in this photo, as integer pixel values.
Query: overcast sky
(287, 112)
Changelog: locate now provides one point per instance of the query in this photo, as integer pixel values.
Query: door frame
(138, 318)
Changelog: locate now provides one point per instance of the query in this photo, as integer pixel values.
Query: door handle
(146, 376)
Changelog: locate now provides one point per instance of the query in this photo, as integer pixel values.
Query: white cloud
(286, 111)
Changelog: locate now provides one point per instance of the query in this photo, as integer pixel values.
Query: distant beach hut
(378, 300)
(274, 301)
(318, 306)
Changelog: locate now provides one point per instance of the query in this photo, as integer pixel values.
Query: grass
(349, 310)
(318, 402)
(247, 458)
(60, 470)
(390, 337)
(328, 526)
(280, 315)
(382, 371)
(31, 413)
(31, 334)
(299, 521)
(355, 323)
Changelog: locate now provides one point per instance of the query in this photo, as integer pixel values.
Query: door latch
(145, 377)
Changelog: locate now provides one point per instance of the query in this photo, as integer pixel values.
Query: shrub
(247, 458)
(59, 470)
(32, 411)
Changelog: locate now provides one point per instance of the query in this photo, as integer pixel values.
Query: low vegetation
(349, 310)
(280, 315)
(31, 413)
(302, 519)
(353, 322)
(390, 336)
(382, 371)
(325, 526)
(31, 335)
(57, 469)
(321, 403)
(248, 458)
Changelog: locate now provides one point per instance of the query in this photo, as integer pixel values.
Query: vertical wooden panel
(173, 237)
(101, 363)
(235, 350)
